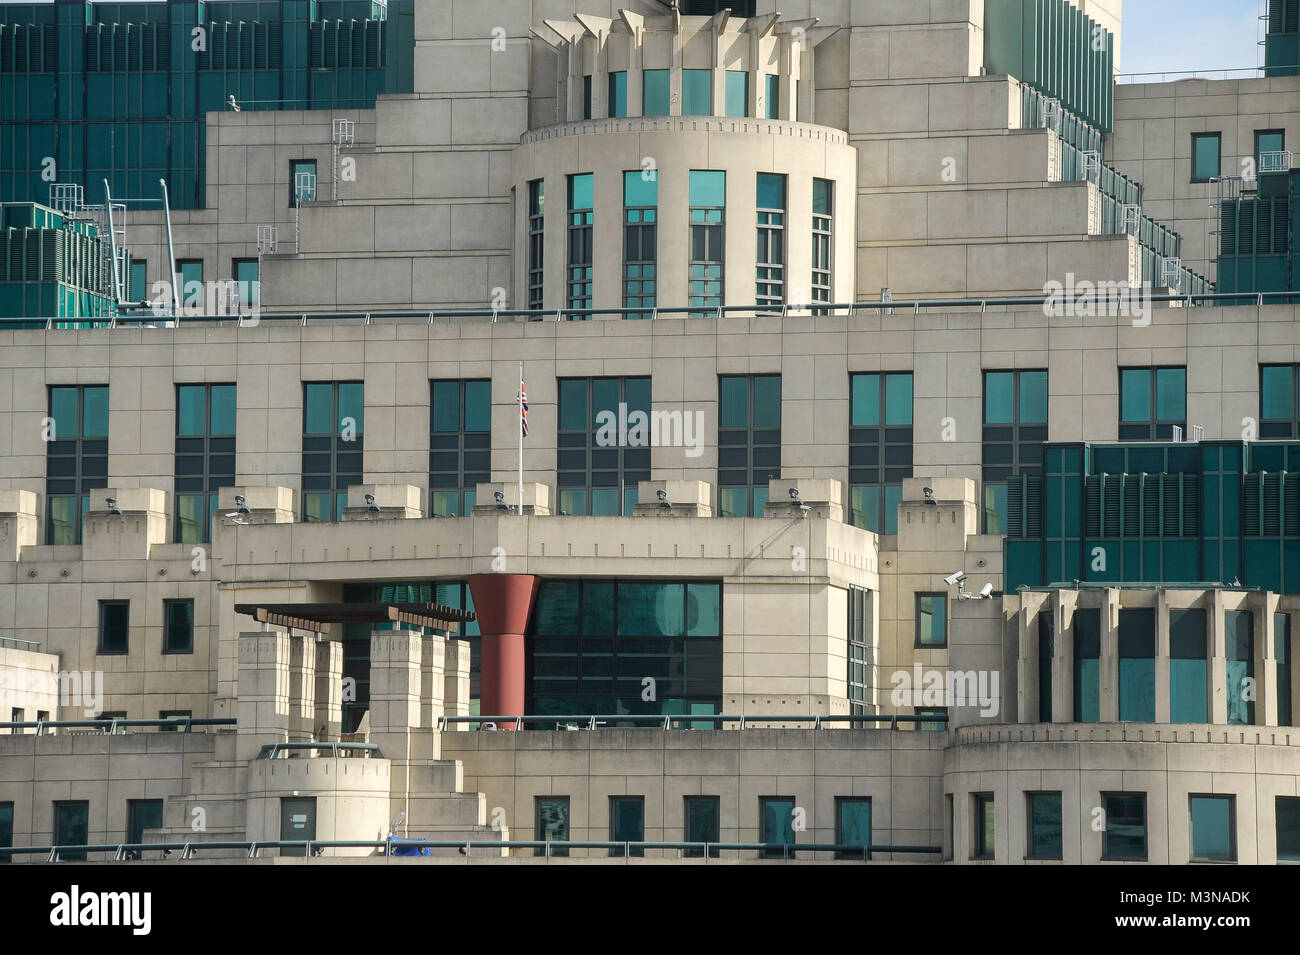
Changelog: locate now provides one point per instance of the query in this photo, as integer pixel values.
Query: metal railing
(180, 724)
(14, 643)
(1240, 73)
(672, 721)
(548, 849)
(274, 750)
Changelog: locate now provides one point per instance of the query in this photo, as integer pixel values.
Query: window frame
(1293, 802)
(104, 605)
(187, 448)
(539, 831)
(57, 825)
(1218, 138)
(536, 209)
(1024, 439)
(882, 441)
(788, 828)
(770, 289)
(569, 442)
(83, 457)
(707, 224)
(1106, 854)
(917, 644)
(617, 851)
(1288, 427)
(1149, 428)
(840, 803)
(980, 849)
(823, 248)
(168, 604)
(1231, 800)
(728, 439)
(293, 180)
(1030, 797)
(475, 450)
(716, 801)
(580, 272)
(640, 227)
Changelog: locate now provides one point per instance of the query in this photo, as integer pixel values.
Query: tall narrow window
(138, 283)
(640, 243)
(142, 815)
(72, 827)
(983, 826)
(1087, 665)
(1015, 427)
(931, 621)
(460, 445)
(178, 626)
(1278, 394)
(6, 830)
(853, 826)
(1151, 402)
(536, 242)
(581, 219)
(1043, 812)
(205, 456)
(332, 446)
(246, 273)
(749, 442)
(1188, 667)
(1206, 156)
(618, 94)
(1239, 627)
(656, 88)
(737, 93)
(880, 447)
(771, 239)
(822, 222)
(1268, 141)
(697, 92)
(302, 181)
(1137, 665)
(1282, 651)
(776, 826)
(551, 823)
(114, 626)
(627, 823)
(76, 458)
(703, 823)
(1214, 828)
(1286, 810)
(708, 198)
(859, 629)
(1046, 652)
(604, 444)
(772, 96)
(190, 281)
(1125, 836)
(586, 96)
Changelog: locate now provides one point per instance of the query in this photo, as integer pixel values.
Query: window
(640, 243)
(656, 92)
(1214, 828)
(1282, 652)
(737, 93)
(581, 218)
(1151, 402)
(72, 828)
(586, 96)
(776, 826)
(697, 92)
(708, 198)
(937, 720)
(1205, 156)
(1287, 811)
(1087, 665)
(1239, 633)
(823, 217)
(880, 447)
(859, 629)
(191, 281)
(114, 626)
(551, 823)
(178, 626)
(1125, 836)
(174, 715)
(771, 239)
(1046, 652)
(17, 715)
(618, 94)
(931, 621)
(205, 456)
(1188, 667)
(1015, 427)
(6, 830)
(627, 823)
(42, 716)
(749, 442)
(1268, 141)
(1043, 812)
(1278, 394)
(460, 445)
(76, 459)
(332, 446)
(603, 444)
(983, 826)
(707, 8)
(702, 815)
(302, 181)
(1137, 665)
(142, 814)
(853, 826)
(137, 287)
(536, 242)
(247, 274)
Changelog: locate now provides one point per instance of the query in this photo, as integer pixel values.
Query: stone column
(456, 685)
(302, 686)
(1217, 636)
(328, 715)
(263, 692)
(503, 603)
(394, 690)
(1109, 665)
(432, 651)
(1163, 705)
(1063, 656)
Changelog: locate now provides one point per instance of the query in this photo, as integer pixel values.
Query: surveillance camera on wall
(953, 579)
(987, 590)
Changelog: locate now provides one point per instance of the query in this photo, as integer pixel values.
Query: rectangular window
(114, 626)
(586, 96)
(205, 456)
(703, 824)
(737, 93)
(1239, 633)
(1188, 667)
(822, 230)
(581, 219)
(1046, 652)
(772, 96)
(618, 94)
(1151, 402)
(1015, 427)
(72, 827)
(931, 621)
(302, 181)
(1278, 392)
(1282, 652)
(536, 242)
(1287, 812)
(332, 446)
(460, 444)
(853, 827)
(771, 239)
(880, 447)
(749, 442)
(1214, 828)
(1205, 156)
(1087, 665)
(603, 444)
(697, 92)
(6, 830)
(142, 814)
(190, 281)
(983, 826)
(708, 199)
(178, 626)
(640, 241)
(138, 282)
(656, 95)
(937, 720)
(551, 823)
(1043, 812)
(776, 826)
(1137, 665)
(1268, 141)
(76, 458)
(859, 630)
(626, 823)
(246, 273)
(1125, 836)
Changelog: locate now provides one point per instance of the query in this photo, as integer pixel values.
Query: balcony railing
(678, 721)
(180, 724)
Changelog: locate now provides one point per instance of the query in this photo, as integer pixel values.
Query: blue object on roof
(409, 850)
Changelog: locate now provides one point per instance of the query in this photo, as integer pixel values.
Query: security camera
(370, 503)
(929, 495)
(956, 578)
(241, 504)
(501, 501)
(986, 590)
(112, 505)
(663, 498)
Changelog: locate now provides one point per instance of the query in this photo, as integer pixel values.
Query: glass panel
(1045, 825)
(708, 188)
(586, 97)
(138, 285)
(931, 620)
(180, 626)
(733, 502)
(626, 822)
(618, 94)
(1135, 394)
(1033, 397)
(853, 825)
(1188, 669)
(191, 410)
(772, 101)
(222, 412)
(1087, 671)
(318, 507)
(866, 400)
(63, 409)
(573, 404)
(651, 609)
(999, 397)
(771, 191)
(114, 626)
(1212, 828)
(1287, 809)
(1282, 651)
(778, 824)
(6, 830)
(821, 197)
(143, 814)
(697, 92)
(1171, 394)
(1126, 829)
(985, 827)
(703, 610)
(1205, 156)
(1137, 666)
(1268, 141)
(1240, 644)
(94, 411)
(72, 828)
(352, 404)
(582, 191)
(893, 496)
(735, 402)
(737, 93)
(655, 96)
(552, 824)
(446, 406)
(641, 188)
(1276, 400)
(189, 518)
(556, 613)
(898, 399)
(767, 401)
(702, 823)
(478, 406)
(63, 521)
(319, 411)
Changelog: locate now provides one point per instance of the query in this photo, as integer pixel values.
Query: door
(297, 822)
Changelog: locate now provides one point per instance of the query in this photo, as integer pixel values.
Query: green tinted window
(771, 191)
(1137, 665)
(446, 406)
(641, 189)
(735, 402)
(1205, 156)
(618, 94)
(697, 92)
(94, 411)
(586, 97)
(178, 636)
(898, 399)
(64, 410)
(1135, 394)
(703, 610)
(1044, 825)
(772, 101)
(655, 92)
(1033, 397)
(821, 197)
(478, 406)
(999, 397)
(191, 410)
(1269, 141)
(931, 620)
(1171, 394)
(1287, 810)
(853, 823)
(319, 413)
(138, 286)
(737, 93)
(1126, 826)
(777, 819)
(1188, 667)
(352, 404)
(581, 191)
(708, 188)
(1276, 399)
(767, 401)
(1212, 825)
(651, 609)
(221, 415)
(573, 404)
(866, 401)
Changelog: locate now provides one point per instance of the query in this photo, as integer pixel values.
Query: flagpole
(519, 398)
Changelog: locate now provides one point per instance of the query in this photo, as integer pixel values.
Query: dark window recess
(460, 445)
(749, 442)
(603, 444)
(114, 626)
(205, 456)
(1015, 428)
(76, 460)
(332, 446)
(880, 447)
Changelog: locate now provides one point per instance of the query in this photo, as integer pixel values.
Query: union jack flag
(523, 408)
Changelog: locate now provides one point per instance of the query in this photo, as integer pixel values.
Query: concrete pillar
(1026, 665)
(503, 603)
(302, 686)
(456, 685)
(432, 652)
(263, 692)
(1162, 656)
(1217, 637)
(1265, 662)
(1109, 666)
(1063, 658)
(394, 689)
(328, 715)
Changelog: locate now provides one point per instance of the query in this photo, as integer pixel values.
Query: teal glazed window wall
(697, 92)
(617, 94)
(1015, 427)
(1137, 665)
(1239, 639)
(460, 445)
(1087, 665)
(656, 92)
(737, 93)
(749, 442)
(1188, 667)
(332, 446)
(76, 460)
(205, 456)
(1214, 824)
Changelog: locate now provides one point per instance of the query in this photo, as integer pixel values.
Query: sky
(1178, 35)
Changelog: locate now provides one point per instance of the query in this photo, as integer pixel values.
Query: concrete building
(769, 566)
